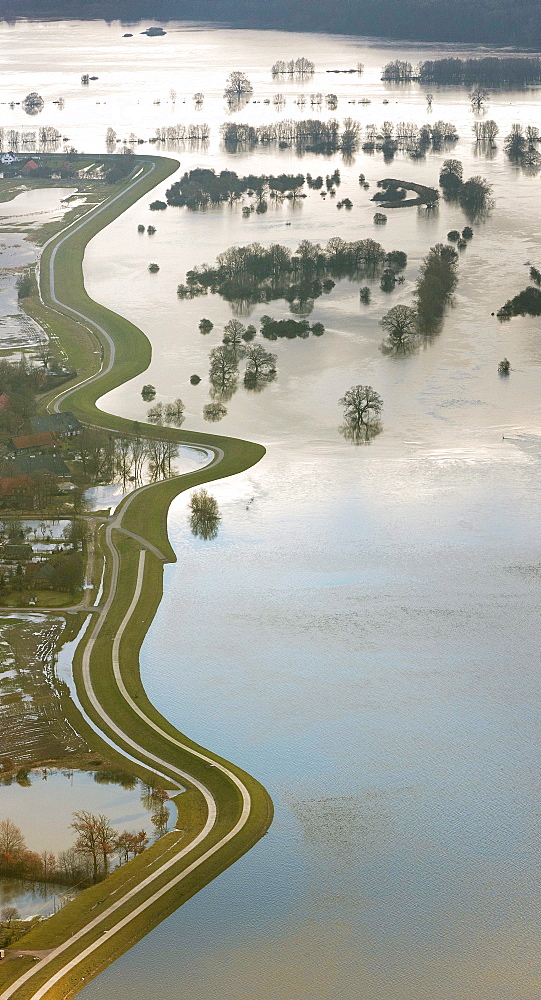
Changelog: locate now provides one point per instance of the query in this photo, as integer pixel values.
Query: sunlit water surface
(363, 634)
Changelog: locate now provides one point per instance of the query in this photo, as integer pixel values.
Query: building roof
(30, 165)
(33, 465)
(13, 484)
(44, 439)
(61, 423)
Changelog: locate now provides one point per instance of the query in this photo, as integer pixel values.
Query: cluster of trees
(167, 413)
(490, 71)
(485, 131)
(19, 383)
(105, 457)
(406, 326)
(527, 302)
(202, 186)
(301, 68)
(398, 71)
(253, 273)
(521, 146)
(224, 366)
(86, 862)
(273, 329)
(90, 858)
(183, 133)
(33, 103)
(308, 135)
(121, 167)
(408, 137)
(474, 194)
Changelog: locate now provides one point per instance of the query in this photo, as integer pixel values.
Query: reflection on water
(369, 642)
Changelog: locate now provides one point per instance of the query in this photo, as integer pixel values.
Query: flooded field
(362, 635)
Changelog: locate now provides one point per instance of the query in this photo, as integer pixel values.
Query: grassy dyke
(146, 515)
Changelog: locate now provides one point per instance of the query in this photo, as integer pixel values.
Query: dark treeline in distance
(250, 274)
(491, 71)
(497, 22)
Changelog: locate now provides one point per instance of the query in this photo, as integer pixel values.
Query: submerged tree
(362, 409)
(205, 514)
(362, 404)
(478, 98)
(402, 330)
(260, 367)
(504, 367)
(238, 89)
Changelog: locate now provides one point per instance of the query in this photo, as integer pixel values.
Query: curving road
(110, 921)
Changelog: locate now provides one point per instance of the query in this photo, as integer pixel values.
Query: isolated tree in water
(362, 404)
(401, 326)
(237, 86)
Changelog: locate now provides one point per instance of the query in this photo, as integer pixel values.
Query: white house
(7, 158)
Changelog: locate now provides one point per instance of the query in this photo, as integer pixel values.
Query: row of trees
(521, 146)
(490, 71)
(474, 194)
(47, 139)
(202, 187)
(406, 326)
(91, 856)
(301, 68)
(409, 138)
(310, 135)
(183, 133)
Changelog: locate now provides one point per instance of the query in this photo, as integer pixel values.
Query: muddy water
(363, 633)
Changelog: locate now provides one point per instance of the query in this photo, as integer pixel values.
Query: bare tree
(362, 404)
(10, 913)
(11, 838)
(123, 458)
(88, 843)
(478, 98)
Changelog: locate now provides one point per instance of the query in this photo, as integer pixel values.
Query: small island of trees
(251, 274)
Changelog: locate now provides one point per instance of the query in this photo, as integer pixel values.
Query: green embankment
(146, 515)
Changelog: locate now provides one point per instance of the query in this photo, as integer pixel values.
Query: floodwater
(70, 791)
(24, 213)
(363, 633)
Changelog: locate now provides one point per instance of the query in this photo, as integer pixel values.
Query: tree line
(90, 858)
(496, 22)
(309, 135)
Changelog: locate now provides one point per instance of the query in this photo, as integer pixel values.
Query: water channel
(363, 633)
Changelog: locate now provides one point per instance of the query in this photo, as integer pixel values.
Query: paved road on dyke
(160, 765)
